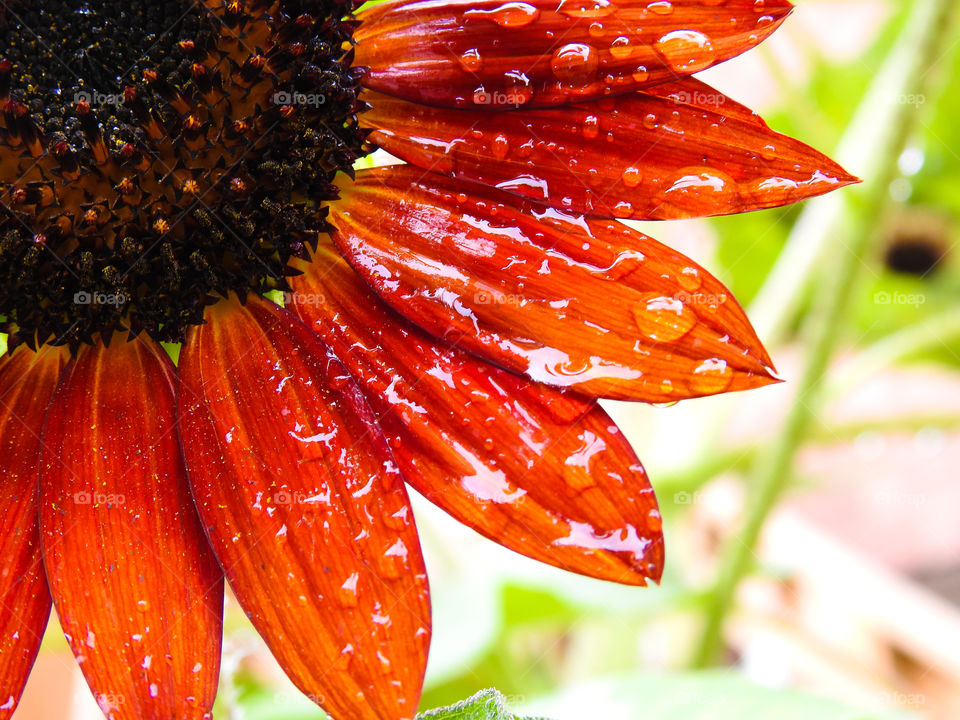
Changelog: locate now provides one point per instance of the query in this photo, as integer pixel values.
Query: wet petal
(539, 471)
(27, 382)
(586, 304)
(306, 510)
(686, 151)
(136, 587)
(492, 54)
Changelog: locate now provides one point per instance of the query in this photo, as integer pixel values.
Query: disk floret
(156, 155)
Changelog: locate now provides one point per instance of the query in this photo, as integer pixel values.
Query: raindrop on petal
(686, 51)
(511, 14)
(711, 376)
(664, 319)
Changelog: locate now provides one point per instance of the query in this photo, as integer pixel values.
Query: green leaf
(485, 705)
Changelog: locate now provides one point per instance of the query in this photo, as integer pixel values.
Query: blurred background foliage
(567, 647)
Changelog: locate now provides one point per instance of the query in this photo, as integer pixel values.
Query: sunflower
(447, 322)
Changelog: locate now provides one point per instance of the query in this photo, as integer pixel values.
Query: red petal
(137, 590)
(692, 152)
(591, 305)
(537, 470)
(306, 510)
(493, 54)
(27, 382)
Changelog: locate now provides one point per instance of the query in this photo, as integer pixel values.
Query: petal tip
(769, 377)
(779, 8)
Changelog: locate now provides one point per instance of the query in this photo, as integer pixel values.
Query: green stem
(905, 70)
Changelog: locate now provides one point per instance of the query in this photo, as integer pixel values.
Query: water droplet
(591, 127)
(711, 376)
(471, 60)
(623, 209)
(640, 74)
(686, 51)
(511, 14)
(664, 319)
(689, 279)
(518, 86)
(655, 523)
(525, 150)
(701, 191)
(346, 657)
(394, 560)
(650, 121)
(575, 64)
(662, 7)
(500, 146)
(774, 183)
(631, 177)
(620, 48)
(585, 8)
(595, 29)
(348, 591)
(399, 519)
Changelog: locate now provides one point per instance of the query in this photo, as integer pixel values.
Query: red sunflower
(449, 323)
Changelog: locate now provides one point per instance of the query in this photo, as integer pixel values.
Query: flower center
(156, 154)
